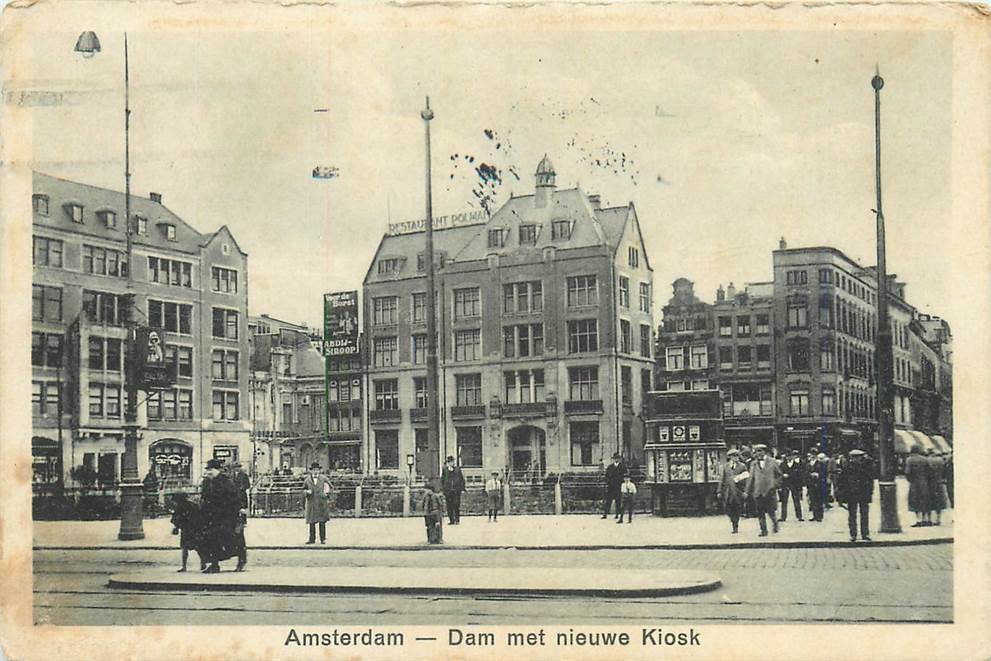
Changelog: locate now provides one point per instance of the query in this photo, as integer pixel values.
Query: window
(700, 357)
(141, 225)
(387, 448)
(467, 344)
(725, 326)
(674, 359)
(497, 238)
(386, 395)
(419, 308)
(700, 384)
(583, 336)
(225, 323)
(44, 398)
(826, 276)
(561, 229)
(419, 349)
(743, 326)
(224, 280)
(112, 399)
(763, 356)
(46, 303)
(798, 400)
(825, 311)
(797, 277)
(633, 257)
(224, 365)
(170, 232)
(826, 362)
(624, 292)
(524, 386)
(467, 303)
(388, 265)
(798, 356)
(103, 307)
(828, 401)
(46, 252)
(105, 353)
(40, 204)
(626, 384)
(584, 443)
(96, 400)
(522, 297)
(468, 389)
(46, 349)
(763, 324)
(108, 219)
(798, 315)
(583, 383)
(101, 261)
(225, 405)
(725, 358)
(420, 391)
(582, 290)
(645, 379)
(528, 234)
(385, 310)
(421, 262)
(177, 274)
(385, 351)
(173, 317)
(182, 359)
(645, 297)
(625, 336)
(469, 446)
(744, 356)
(523, 340)
(645, 340)
(75, 212)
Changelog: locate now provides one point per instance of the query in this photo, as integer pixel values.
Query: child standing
(493, 491)
(187, 521)
(628, 490)
(433, 513)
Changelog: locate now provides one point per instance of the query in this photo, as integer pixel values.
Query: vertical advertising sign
(340, 323)
(152, 370)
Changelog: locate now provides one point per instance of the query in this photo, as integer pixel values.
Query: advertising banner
(340, 327)
(151, 369)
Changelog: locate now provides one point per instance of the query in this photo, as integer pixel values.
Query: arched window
(171, 458)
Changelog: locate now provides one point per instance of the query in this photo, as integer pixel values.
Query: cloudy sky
(724, 141)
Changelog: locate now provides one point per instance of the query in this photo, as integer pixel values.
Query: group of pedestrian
(620, 489)
(214, 527)
(754, 482)
(929, 476)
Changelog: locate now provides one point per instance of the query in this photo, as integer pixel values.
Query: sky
(724, 141)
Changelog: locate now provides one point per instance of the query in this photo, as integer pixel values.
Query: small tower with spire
(545, 182)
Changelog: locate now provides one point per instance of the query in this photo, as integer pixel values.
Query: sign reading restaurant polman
(340, 323)
(439, 222)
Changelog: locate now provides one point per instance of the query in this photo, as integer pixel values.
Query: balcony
(418, 414)
(468, 412)
(583, 406)
(527, 410)
(385, 415)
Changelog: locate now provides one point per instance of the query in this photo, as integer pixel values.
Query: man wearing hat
(614, 486)
(453, 485)
(856, 487)
(816, 476)
(731, 488)
(316, 502)
(762, 486)
(793, 477)
(220, 506)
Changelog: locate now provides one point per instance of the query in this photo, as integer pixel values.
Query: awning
(942, 443)
(904, 441)
(925, 442)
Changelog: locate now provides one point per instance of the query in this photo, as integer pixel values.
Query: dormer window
(40, 204)
(497, 238)
(389, 265)
(561, 229)
(528, 234)
(75, 212)
(169, 231)
(141, 225)
(108, 218)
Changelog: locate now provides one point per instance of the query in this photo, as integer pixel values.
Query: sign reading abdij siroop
(340, 323)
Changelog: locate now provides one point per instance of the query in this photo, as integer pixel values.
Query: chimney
(155, 197)
(731, 292)
(782, 244)
(720, 294)
(595, 201)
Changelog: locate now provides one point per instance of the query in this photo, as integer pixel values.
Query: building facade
(191, 285)
(545, 343)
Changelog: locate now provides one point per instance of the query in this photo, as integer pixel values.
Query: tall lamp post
(431, 465)
(885, 366)
(132, 490)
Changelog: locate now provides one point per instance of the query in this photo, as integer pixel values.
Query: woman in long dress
(917, 473)
(937, 486)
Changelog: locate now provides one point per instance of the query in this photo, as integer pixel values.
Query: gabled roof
(62, 192)
(226, 231)
(408, 246)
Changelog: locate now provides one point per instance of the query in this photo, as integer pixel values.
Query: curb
(564, 547)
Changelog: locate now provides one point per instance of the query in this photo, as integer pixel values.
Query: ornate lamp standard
(132, 490)
(430, 468)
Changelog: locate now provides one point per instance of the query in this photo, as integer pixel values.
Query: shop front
(46, 464)
(171, 459)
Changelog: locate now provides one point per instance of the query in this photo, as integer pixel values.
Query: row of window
(697, 357)
(853, 403)
(528, 233)
(107, 218)
(762, 325)
(829, 276)
(624, 294)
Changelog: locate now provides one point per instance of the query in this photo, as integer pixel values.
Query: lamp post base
(131, 511)
(889, 508)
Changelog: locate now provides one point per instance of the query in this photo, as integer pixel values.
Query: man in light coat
(765, 480)
(731, 490)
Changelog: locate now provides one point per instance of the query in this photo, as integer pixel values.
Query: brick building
(545, 337)
(190, 284)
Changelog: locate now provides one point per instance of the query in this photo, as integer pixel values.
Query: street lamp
(410, 460)
(132, 490)
(431, 464)
(885, 363)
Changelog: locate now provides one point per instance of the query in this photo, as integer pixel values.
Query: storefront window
(171, 459)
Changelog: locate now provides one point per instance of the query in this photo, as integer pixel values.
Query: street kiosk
(684, 451)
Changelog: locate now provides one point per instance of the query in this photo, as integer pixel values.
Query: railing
(583, 406)
(530, 409)
(385, 415)
(474, 411)
(418, 414)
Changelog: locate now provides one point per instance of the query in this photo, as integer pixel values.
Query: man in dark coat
(453, 485)
(792, 481)
(614, 486)
(731, 489)
(220, 506)
(856, 489)
(763, 485)
(817, 485)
